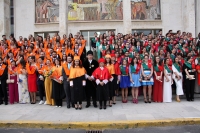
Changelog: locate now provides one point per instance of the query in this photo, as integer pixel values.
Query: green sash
(145, 67)
(167, 68)
(156, 68)
(111, 47)
(104, 47)
(172, 56)
(170, 47)
(188, 65)
(142, 56)
(123, 71)
(133, 70)
(198, 58)
(177, 67)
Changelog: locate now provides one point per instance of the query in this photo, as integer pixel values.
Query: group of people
(61, 68)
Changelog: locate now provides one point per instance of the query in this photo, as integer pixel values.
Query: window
(88, 35)
(146, 31)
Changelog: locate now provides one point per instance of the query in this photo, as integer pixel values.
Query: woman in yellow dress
(48, 83)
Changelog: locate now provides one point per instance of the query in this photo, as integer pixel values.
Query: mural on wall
(46, 11)
(92, 10)
(145, 10)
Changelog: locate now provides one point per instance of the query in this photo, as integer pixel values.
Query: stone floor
(119, 112)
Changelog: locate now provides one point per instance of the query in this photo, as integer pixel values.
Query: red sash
(193, 65)
(127, 69)
(149, 64)
(138, 68)
(160, 68)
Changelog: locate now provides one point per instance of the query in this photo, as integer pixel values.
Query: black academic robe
(3, 86)
(90, 88)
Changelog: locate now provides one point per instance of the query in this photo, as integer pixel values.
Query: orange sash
(2, 68)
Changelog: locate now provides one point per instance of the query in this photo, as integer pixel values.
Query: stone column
(63, 17)
(188, 16)
(127, 16)
(4, 18)
(197, 17)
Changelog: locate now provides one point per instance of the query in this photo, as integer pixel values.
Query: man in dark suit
(3, 85)
(40, 79)
(65, 73)
(90, 65)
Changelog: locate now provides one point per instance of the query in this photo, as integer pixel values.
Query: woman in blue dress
(124, 80)
(147, 79)
(135, 78)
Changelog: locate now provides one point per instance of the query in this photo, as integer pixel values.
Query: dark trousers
(3, 91)
(189, 88)
(67, 89)
(90, 91)
(104, 102)
(58, 102)
(40, 85)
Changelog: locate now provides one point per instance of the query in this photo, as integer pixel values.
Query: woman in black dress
(189, 76)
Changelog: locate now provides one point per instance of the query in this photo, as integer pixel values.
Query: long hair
(80, 64)
(23, 63)
(132, 62)
(165, 60)
(155, 63)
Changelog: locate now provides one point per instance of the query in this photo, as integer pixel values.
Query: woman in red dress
(32, 78)
(158, 80)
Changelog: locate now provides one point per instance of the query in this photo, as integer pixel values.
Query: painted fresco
(145, 10)
(46, 11)
(95, 10)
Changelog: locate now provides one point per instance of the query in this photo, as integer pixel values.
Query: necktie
(69, 65)
(40, 65)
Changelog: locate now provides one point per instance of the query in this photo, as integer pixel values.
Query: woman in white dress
(178, 78)
(23, 83)
(167, 89)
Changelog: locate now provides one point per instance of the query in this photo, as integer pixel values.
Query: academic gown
(90, 88)
(3, 78)
(77, 77)
(102, 75)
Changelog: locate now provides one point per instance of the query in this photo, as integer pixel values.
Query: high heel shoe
(76, 107)
(145, 100)
(178, 100)
(149, 100)
(80, 107)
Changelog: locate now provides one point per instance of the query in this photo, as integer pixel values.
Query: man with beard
(65, 73)
(90, 65)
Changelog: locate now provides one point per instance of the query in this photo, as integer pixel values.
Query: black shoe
(104, 107)
(31, 102)
(87, 106)
(6, 103)
(1, 102)
(76, 108)
(68, 106)
(95, 105)
(188, 100)
(73, 106)
(114, 103)
(110, 105)
(100, 107)
(191, 99)
(80, 108)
